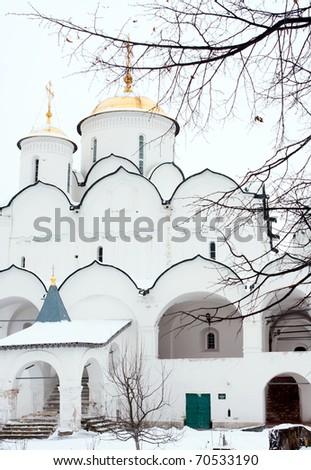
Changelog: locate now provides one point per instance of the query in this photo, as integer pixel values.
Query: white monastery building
(145, 260)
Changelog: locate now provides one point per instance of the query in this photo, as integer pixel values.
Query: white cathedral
(142, 262)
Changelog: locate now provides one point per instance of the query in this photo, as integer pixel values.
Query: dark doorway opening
(282, 401)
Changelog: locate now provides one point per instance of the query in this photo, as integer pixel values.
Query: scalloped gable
(96, 281)
(171, 164)
(122, 174)
(108, 165)
(23, 271)
(205, 183)
(95, 264)
(20, 282)
(167, 177)
(200, 260)
(35, 202)
(37, 185)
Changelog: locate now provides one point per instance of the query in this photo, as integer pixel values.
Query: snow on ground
(187, 439)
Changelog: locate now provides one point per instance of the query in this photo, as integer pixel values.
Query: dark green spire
(53, 309)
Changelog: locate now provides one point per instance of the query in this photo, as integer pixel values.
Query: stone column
(252, 334)
(4, 409)
(70, 407)
(96, 399)
(148, 340)
(10, 402)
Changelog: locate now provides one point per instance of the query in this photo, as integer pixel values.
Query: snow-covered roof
(78, 333)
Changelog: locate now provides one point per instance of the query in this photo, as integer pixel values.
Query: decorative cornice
(41, 144)
(126, 118)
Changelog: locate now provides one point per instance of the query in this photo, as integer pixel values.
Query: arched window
(23, 262)
(141, 152)
(100, 254)
(300, 348)
(211, 341)
(68, 177)
(94, 149)
(212, 250)
(36, 175)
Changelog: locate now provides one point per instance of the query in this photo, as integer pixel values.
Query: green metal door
(198, 410)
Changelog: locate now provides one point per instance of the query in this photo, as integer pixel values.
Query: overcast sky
(31, 56)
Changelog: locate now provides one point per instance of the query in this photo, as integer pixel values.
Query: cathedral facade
(148, 260)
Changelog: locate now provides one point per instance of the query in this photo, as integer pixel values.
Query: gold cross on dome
(128, 79)
(53, 278)
(50, 95)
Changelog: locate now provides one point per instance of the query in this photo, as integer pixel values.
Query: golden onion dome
(128, 103)
(47, 131)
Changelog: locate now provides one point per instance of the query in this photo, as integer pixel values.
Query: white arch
(17, 282)
(99, 280)
(18, 359)
(198, 277)
(184, 325)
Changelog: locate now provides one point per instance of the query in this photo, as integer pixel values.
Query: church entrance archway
(85, 392)
(283, 401)
(37, 390)
(92, 388)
